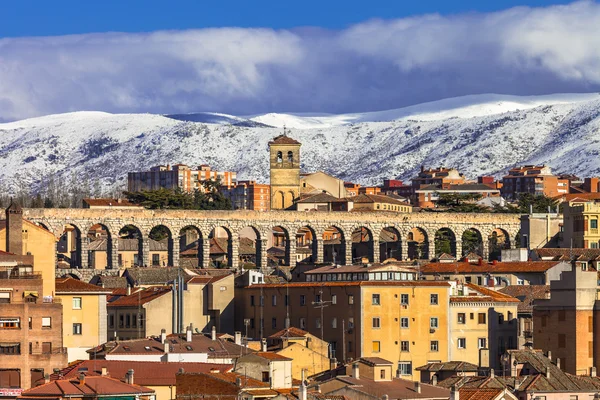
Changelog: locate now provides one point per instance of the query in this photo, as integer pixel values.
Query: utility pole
(321, 304)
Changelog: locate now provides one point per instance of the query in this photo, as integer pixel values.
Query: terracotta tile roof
(198, 383)
(479, 394)
(373, 361)
(291, 332)
(322, 198)
(390, 266)
(154, 275)
(272, 356)
(357, 283)
(567, 254)
(141, 297)
(71, 285)
(220, 348)
(395, 389)
(145, 373)
(92, 386)
(481, 291)
(527, 294)
(283, 139)
(501, 267)
(578, 196)
(110, 282)
(458, 366)
(376, 198)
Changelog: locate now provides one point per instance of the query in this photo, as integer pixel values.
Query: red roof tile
(356, 283)
(479, 394)
(272, 356)
(91, 386)
(288, 332)
(283, 139)
(72, 285)
(141, 297)
(501, 267)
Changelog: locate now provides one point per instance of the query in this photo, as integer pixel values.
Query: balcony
(14, 273)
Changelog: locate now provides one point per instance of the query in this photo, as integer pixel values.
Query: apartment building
(178, 176)
(580, 224)
(438, 176)
(403, 320)
(248, 195)
(533, 179)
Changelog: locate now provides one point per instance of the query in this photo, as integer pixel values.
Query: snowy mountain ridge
(482, 134)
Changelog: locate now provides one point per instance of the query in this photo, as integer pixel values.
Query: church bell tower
(284, 157)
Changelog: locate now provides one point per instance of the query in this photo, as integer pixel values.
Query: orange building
(179, 176)
(438, 176)
(533, 179)
(248, 195)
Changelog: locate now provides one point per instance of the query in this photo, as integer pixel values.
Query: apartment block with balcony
(248, 195)
(533, 179)
(580, 224)
(178, 176)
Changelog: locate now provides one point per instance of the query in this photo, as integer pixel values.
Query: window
(46, 348)
(121, 321)
(376, 300)
(279, 157)
(382, 374)
(111, 321)
(433, 300)
(471, 315)
(481, 318)
(252, 301)
(302, 300)
(318, 298)
(76, 329)
(482, 343)
(461, 343)
(461, 318)
(350, 348)
(376, 346)
(274, 300)
(404, 322)
(434, 345)
(302, 323)
(76, 303)
(155, 259)
(10, 323)
(334, 323)
(265, 376)
(30, 323)
(127, 321)
(334, 299)
(46, 322)
(273, 323)
(594, 223)
(405, 367)
(376, 322)
(404, 299)
(134, 321)
(10, 348)
(252, 323)
(404, 345)
(350, 299)
(433, 322)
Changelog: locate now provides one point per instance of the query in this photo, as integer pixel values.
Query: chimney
(454, 395)
(188, 334)
(302, 395)
(128, 290)
(593, 372)
(46, 378)
(238, 382)
(434, 380)
(213, 333)
(547, 372)
(14, 229)
(181, 371)
(167, 347)
(355, 371)
(237, 338)
(549, 355)
(558, 363)
(492, 373)
(332, 363)
(129, 377)
(163, 335)
(104, 371)
(418, 387)
(263, 344)
(385, 397)
(82, 378)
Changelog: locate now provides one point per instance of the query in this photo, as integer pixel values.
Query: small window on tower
(290, 156)
(279, 157)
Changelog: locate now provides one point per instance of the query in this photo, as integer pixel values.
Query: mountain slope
(564, 135)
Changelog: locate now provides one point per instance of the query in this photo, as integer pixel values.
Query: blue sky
(252, 57)
(63, 17)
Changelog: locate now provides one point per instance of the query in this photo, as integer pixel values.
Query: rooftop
(91, 386)
(458, 366)
(357, 283)
(486, 267)
(141, 297)
(287, 333)
(283, 139)
(376, 198)
(72, 285)
(527, 294)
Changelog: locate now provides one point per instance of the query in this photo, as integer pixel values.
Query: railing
(20, 275)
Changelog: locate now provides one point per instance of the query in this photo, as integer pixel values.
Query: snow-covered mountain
(484, 134)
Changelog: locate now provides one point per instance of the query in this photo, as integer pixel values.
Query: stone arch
(130, 253)
(70, 252)
(221, 247)
(417, 244)
(289, 200)
(249, 247)
(390, 244)
(279, 246)
(498, 239)
(101, 247)
(278, 200)
(362, 245)
(191, 247)
(445, 242)
(73, 274)
(307, 244)
(472, 242)
(334, 245)
(160, 247)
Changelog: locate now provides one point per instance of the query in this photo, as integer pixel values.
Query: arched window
(290, 156)
(279, 157)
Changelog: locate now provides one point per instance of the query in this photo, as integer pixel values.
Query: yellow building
(309, 353)
(284, 157)
(378, 202)
(403, 321)
(38, 242)
(483, 325)
(580, 223)
(84, 316)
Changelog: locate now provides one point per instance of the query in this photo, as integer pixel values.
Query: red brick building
(533, 179)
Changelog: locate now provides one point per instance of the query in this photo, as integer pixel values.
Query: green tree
(472, 242)
(443, 242)
(460, 202)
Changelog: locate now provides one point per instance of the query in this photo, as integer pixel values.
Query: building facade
(284, 160)
(580, 226)
(248, 195)
(178, 176)
(533, 179)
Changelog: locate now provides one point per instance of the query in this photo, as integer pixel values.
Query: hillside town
(307, 287)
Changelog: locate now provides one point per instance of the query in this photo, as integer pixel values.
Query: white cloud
(374, 65)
